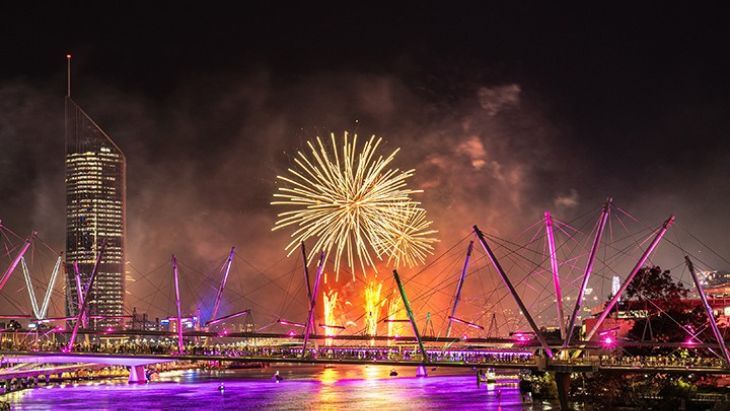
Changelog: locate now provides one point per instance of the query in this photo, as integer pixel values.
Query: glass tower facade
(95, 211)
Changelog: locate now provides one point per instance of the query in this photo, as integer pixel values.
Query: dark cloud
(499, 127)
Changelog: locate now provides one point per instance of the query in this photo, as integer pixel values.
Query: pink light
(464, 337)
(291, 333)
(690, 342)
(467, 323)
(608, 341)
(326, 326)
(110, 329)
(291, 323)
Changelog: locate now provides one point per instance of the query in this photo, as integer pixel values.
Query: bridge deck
(130, 359)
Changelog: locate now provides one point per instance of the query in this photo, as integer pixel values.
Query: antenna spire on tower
(68, 75)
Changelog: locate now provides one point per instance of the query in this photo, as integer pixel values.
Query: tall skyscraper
(95, 211)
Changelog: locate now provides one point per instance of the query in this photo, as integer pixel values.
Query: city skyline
(364, 206)
(500, 127)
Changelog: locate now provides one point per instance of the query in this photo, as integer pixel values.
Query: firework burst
(408, 238)
(352, 204)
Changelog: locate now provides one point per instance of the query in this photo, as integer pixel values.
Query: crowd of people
(680, 359)
(252, 350)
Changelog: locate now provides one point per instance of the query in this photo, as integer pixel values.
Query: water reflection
(302, 388)
(328, 376)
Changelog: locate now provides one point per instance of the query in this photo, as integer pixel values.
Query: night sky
(504, 111)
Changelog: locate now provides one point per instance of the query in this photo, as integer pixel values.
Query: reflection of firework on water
(394, 327)
(409, 239)
(329, 304)
(352, 204)
(372, 307)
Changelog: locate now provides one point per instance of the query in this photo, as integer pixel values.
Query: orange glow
(395, 329)
(329, 304)
(373, 302)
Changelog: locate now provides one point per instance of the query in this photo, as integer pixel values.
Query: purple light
(291, 333)
(608, 341)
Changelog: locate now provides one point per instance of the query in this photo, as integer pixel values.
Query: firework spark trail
(409, 238)
(329, 303)
(372, 307)
(352, 203)
(395, 329)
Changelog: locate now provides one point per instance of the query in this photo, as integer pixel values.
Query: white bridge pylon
(40, 313)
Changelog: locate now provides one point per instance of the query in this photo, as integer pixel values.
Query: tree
(665, 304)
(664, 301)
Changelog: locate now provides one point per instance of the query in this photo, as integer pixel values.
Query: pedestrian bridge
(136, 362)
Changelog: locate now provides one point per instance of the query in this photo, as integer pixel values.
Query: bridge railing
(476, 356)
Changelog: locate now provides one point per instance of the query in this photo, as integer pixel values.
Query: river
(303, 388)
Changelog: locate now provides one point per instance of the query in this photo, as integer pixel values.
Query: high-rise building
(95, 212)
(615, 284)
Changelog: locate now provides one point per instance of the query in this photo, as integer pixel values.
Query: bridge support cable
(313, 302)
(556, 273)
(493, 327)
(29, 286)
(708, 310)
(649, 250)
(26, 245)
(459, 285)
(218, 296)
(307, 284)
(51, 284)
(228, 317)
(306, 272)
(88, 289)
(411, 317)
(80, 292)
(602, 220)
(513, 291)
(176, 279)
(40, 312)
(467, 323)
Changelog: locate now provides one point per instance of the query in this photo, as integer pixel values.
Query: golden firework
(352, 204)
(329, 303)
(373, 303)
(408, 238)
